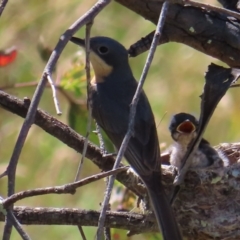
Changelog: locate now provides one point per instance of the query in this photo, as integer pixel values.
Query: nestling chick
(183, 128)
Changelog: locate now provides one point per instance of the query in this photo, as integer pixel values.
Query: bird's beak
(78, 41)
(100, 67)
(186, 127)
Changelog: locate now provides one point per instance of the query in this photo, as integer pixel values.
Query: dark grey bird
(112, 91)
(183, 128)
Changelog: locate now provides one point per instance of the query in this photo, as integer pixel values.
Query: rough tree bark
(210, 32)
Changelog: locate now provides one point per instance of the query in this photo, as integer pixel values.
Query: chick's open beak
(186, 127)
(78, 41)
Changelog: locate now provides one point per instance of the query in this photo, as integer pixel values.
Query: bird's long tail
(162, 209)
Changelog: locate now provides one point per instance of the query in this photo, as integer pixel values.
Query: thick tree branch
(73, 216)
(210, 32)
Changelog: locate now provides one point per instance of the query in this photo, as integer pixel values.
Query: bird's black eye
(103, 50)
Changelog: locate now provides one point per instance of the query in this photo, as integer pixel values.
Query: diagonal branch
(64, 189)
(68, 136)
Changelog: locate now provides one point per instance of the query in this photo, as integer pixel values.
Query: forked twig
(88, 74)
(54, 92)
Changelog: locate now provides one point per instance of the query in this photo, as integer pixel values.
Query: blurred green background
(174, 84)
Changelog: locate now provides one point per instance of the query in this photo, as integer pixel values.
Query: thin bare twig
(89, 124)
(3, 174)
(35, 83)
(18, 226)
(82, 232)
(11, 169)
(107, 230)
(63, 189)
(88, 74)
(132, 117)
(2, 6)
(71, 216)
(235, 85)
(54, 92)
(19, 85)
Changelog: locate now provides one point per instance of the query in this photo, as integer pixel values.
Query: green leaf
(75, 80)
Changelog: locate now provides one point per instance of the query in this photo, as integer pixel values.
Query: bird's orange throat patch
(101, 68)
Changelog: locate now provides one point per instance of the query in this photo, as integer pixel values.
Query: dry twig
(64, 189)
